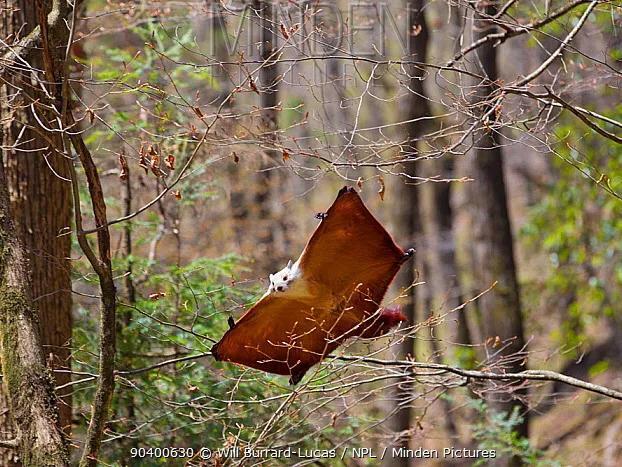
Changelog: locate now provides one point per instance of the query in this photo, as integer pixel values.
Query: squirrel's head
(279, 281)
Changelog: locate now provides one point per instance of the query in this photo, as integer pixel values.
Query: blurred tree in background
(196, 141)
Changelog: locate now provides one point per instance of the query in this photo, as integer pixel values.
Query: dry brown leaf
(142, 161)
(284, 31)
(155, 162)
(169, 162)
(124, 168)
(193, 133)
(252, 84)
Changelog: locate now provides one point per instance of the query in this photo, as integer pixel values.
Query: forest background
(160, 159)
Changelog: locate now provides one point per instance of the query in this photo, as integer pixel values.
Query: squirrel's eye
(284, 278)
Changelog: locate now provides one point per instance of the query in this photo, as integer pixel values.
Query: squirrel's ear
(289, 264)
(271, 277)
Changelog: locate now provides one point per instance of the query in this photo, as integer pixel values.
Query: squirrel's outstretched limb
(408, 254)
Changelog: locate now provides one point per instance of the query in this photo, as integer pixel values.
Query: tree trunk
(493, 254)
(269, 210)
(102, 265)
(238, 189)
(441, 259)
(27, 382)
(36, 176)
(409, 213)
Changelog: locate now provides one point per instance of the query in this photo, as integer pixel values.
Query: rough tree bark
(27, 382)
(36, 177)
(491, 235)
(409, 209)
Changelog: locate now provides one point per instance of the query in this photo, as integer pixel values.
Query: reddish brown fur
(382, 323)
(348, 264)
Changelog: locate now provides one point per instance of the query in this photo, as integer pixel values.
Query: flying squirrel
(332, 293)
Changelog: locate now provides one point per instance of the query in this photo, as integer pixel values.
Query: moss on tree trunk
(26, 379)
(36, 178)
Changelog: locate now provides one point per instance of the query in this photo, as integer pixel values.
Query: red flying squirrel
(332, 293)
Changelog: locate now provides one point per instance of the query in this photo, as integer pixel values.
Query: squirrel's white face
(279, 281)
